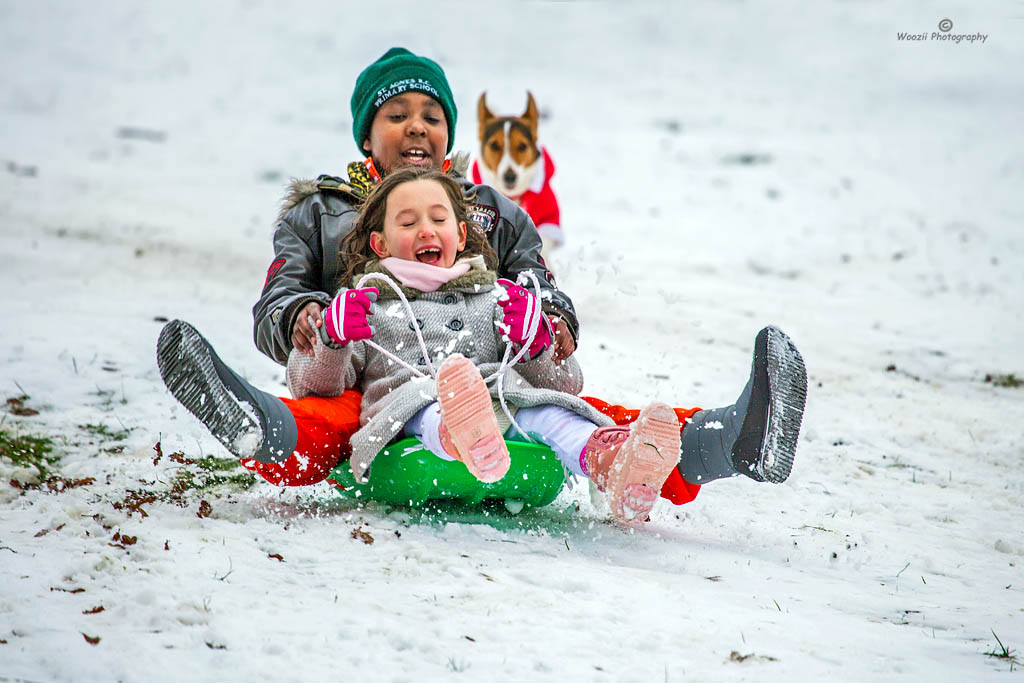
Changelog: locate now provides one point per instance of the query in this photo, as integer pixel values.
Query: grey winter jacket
(318, 214)
(459, 317)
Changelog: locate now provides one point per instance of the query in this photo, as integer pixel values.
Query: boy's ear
(366, 145)
(380, 248)
(462, 235)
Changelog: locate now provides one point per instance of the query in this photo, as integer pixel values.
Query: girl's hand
(520, 308)
(345, 319)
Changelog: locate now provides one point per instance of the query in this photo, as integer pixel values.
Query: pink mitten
(520, 307)
(345, 319)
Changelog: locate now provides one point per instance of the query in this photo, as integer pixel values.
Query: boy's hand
(565, 345)
(303, 334)
(345, 319)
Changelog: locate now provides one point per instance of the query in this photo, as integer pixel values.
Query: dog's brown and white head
(509, 154)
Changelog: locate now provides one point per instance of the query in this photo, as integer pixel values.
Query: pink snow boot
(643, 463)
(468, 423)
(600, 451)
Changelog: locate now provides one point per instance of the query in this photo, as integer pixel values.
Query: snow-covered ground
(720, 166)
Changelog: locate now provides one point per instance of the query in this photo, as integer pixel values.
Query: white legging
(563, 430)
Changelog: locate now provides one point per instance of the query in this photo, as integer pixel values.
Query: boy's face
(408, 130)
(420, 225)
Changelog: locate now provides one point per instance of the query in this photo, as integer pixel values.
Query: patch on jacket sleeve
(360, 180)
(273, 270)
(485, 217)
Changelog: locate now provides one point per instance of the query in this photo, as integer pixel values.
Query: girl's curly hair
(355, 250)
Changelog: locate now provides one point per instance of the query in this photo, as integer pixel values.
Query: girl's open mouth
(431, 255)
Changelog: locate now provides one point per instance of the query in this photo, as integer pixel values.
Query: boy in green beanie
(403, 114)
(398, 72)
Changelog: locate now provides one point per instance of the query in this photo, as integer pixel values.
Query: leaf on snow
(363, 536)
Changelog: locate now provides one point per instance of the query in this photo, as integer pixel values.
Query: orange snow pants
(326, 424)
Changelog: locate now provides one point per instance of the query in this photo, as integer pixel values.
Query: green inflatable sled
(406, 473)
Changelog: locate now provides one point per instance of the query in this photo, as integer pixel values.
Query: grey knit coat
(459, 317)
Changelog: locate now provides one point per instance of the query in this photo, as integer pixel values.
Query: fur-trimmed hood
(298, 189)
(356, 188)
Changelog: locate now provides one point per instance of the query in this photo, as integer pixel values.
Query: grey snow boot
(248, 422)
(756, 436)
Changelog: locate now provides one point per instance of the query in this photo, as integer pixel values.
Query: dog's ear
(531, 115)
(483, 114)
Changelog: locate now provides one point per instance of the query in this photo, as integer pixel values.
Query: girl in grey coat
(415, 229)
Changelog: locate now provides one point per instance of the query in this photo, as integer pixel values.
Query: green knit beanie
(396, 72)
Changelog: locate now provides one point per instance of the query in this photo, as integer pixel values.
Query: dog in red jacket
(512, 162)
